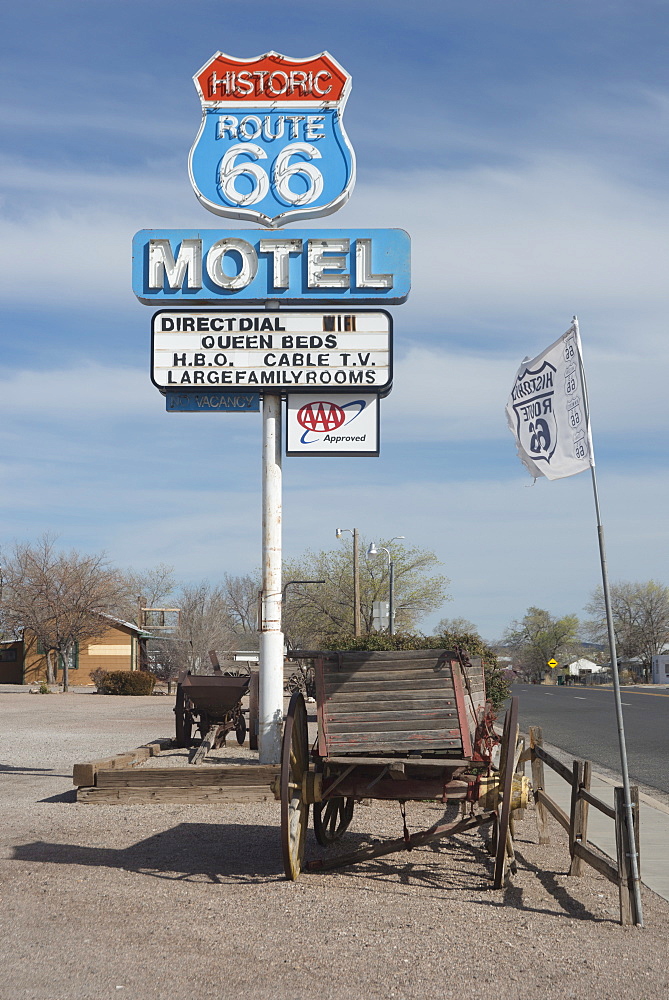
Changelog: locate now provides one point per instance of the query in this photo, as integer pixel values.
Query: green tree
(540, 637)
(463, 634)
(456, 626)
(316, 613)
(640, 614)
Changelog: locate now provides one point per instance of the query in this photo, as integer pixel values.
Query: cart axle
(401, 843)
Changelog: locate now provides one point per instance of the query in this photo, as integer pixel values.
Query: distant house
(577, 668)
(582, 671)
(11, 662)
(660, 665)
(121, 646)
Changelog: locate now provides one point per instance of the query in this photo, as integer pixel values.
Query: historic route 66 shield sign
(534, 407)
(272, 147)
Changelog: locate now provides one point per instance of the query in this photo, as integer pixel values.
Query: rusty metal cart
(403, 726)
(213, 703)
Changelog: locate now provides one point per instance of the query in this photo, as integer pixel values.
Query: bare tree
(166, 659)
(640, 619)
(205, 624)
(241, 594)
(59, 597)
(149, 588)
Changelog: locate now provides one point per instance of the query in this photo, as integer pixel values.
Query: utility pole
(270, 721)
(357, 630)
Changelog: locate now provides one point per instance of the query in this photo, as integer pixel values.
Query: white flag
(547, 411)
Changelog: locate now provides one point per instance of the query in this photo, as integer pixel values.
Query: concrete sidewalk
(653, 826)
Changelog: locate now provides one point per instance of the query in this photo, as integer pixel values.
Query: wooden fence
(576, 823)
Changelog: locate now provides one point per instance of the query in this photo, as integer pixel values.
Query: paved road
(581, 720)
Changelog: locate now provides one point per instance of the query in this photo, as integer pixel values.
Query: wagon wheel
(240, 728)
(506, 769)
(294, 764)
(332, 819)
(184, 719)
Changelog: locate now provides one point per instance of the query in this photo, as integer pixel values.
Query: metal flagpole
(270, 707)
(633, 853)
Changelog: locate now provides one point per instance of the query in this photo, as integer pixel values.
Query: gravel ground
(159, 902)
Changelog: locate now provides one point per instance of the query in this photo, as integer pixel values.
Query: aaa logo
(323, 416)
(271, 146)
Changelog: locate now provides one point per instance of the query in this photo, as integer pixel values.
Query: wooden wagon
(403, 726)
(213, 703)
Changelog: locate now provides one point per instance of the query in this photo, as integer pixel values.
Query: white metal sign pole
(271, 636)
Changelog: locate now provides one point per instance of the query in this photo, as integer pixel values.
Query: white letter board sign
(264, 350)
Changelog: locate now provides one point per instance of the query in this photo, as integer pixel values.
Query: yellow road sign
(552, 664)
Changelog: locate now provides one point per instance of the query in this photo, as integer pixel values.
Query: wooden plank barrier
(174, 795)
(188, 777)
(118, 780)
(554, 809)
(536, 742)
(576, 823)
(84, 774)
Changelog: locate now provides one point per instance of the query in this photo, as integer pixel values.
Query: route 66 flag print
(547, 411)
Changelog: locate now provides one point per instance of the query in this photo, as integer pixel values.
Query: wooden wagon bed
(427, 704)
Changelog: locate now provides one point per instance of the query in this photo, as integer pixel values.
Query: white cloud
(444, 395)
(90, 390)
(502, 244)
(438, 395)
(186, 490)
(504, 544)
(493, 248)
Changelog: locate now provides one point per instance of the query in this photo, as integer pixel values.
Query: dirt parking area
(154, 902)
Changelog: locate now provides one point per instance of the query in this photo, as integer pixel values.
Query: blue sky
(524, 148)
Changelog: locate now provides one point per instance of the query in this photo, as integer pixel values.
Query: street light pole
(373, 551)
(356, 578)
(391, 602)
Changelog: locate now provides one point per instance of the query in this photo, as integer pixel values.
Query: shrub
(44, 688)
(137, 682)
(98, 677)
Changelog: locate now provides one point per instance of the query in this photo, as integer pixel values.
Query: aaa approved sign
(272, 350)
(325, 424)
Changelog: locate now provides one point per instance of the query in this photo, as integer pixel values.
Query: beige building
(121, 646)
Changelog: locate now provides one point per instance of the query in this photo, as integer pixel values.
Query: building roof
(576, 666)
(115, 622)
(128, 627)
